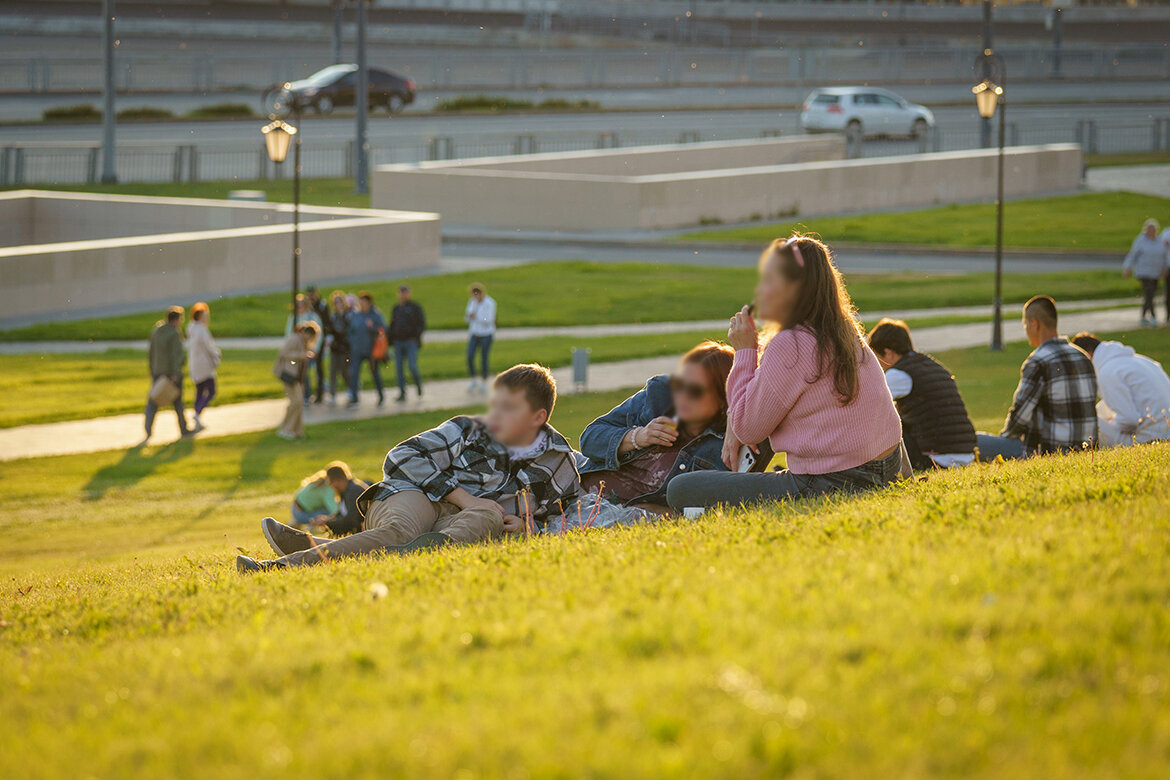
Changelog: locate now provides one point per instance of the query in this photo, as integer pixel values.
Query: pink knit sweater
(780, 401)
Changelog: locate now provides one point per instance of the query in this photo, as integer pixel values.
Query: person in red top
(815, 390)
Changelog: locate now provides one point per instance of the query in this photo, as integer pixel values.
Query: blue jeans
(483, 345)
(355, 376)
(727, 488)
(300, 516)
(990, 446)
(406, 352)
(310, 367)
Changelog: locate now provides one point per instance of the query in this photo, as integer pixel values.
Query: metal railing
(583, 68)
(50, 163)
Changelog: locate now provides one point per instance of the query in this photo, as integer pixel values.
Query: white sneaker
(285, 436)
(473, 386)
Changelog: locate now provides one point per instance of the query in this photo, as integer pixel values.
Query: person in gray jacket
(166, 359)
(1147, 260)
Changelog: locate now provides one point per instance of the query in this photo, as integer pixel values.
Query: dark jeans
(482, 345)
(204, 392)
(406, 355)
(713, 488)
(355, 376)
(320, 361)
(338, 365)
(308, 378)
(152, 409)
(1149, 292)
(991, 446)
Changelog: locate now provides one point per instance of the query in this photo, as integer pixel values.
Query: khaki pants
(402, 518)
(294, 417)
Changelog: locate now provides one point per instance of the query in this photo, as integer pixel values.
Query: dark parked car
(336, 86)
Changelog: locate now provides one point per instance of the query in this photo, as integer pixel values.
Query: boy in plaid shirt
(470, 479)
(1055, 405)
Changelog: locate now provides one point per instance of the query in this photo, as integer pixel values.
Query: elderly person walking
(1147, 260)
(202, 359)
(166, 360)
(290, 368)
(481, 330)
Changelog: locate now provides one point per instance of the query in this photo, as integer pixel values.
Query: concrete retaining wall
(580, 191)
(186, 264)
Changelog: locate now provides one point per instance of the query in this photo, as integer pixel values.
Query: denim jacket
(602, 437)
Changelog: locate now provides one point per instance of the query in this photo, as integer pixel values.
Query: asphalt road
(664, 124)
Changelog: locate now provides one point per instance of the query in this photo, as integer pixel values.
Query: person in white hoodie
(1147, 260)
(1135, 393)
(202, 359)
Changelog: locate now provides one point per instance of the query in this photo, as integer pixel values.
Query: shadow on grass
(134, 466)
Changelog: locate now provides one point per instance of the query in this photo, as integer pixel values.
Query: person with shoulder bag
(166, 371)
(289, 368)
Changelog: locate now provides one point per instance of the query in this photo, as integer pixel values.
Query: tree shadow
(134, 466)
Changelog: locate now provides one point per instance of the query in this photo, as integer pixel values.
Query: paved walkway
(123, 431)
(510, 334)
(1147, 179)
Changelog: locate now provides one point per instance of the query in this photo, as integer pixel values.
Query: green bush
(145, 112)
(217, 110)
(482, 103)
(561, 104)
(84, 112)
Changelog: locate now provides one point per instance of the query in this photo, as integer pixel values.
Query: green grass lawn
(587, 293)
(1001, 621)
(1089, 221)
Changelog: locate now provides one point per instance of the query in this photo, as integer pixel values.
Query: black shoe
(420, 391)
(401, 397)
(246, 565)
(381, 401)
(434, 539)
(284, 539)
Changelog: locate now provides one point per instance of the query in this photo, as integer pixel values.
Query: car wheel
(395, 104)
(854, 129)
(324, 105)
(921, 128)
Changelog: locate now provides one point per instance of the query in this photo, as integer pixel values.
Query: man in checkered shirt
(470, 479)
(1054, 408)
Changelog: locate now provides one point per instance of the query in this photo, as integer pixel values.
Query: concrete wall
(554, 192)
(109, 273)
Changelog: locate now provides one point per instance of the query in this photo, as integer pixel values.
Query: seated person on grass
(345, 490)
(1054, 407)
(1135, 393)
(469, 480)
(936, 429)
(674, 425)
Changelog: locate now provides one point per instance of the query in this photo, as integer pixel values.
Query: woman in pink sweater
(815, 390)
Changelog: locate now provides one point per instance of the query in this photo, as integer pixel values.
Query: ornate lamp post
(989, 96)
(278, 134)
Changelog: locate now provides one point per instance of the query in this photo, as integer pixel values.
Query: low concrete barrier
(689, 184)
(104, 260)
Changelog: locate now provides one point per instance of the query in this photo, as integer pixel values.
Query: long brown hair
(825, 309)
(715, 359)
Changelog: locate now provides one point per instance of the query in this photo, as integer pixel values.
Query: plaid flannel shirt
(461, 453)
(1055, 405)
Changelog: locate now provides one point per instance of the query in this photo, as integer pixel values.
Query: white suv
(864, 110)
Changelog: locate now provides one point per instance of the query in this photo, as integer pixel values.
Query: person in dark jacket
(407, 323)
(364, 325)
(319, 307)
(674, 425)
(936, 428)
(347, 519)
(166, 359)
(338, 343)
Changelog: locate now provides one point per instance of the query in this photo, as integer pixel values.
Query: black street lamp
(277, 136)
(988, 96)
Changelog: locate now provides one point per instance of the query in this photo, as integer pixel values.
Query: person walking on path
(203, 359)
(166, 360)
(1147, 260)
(319, 307)
(1054, 408)
(290, 368)
(407, 323)
(365, 326)
(338, 343)
(481, 326)
(305, 313)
